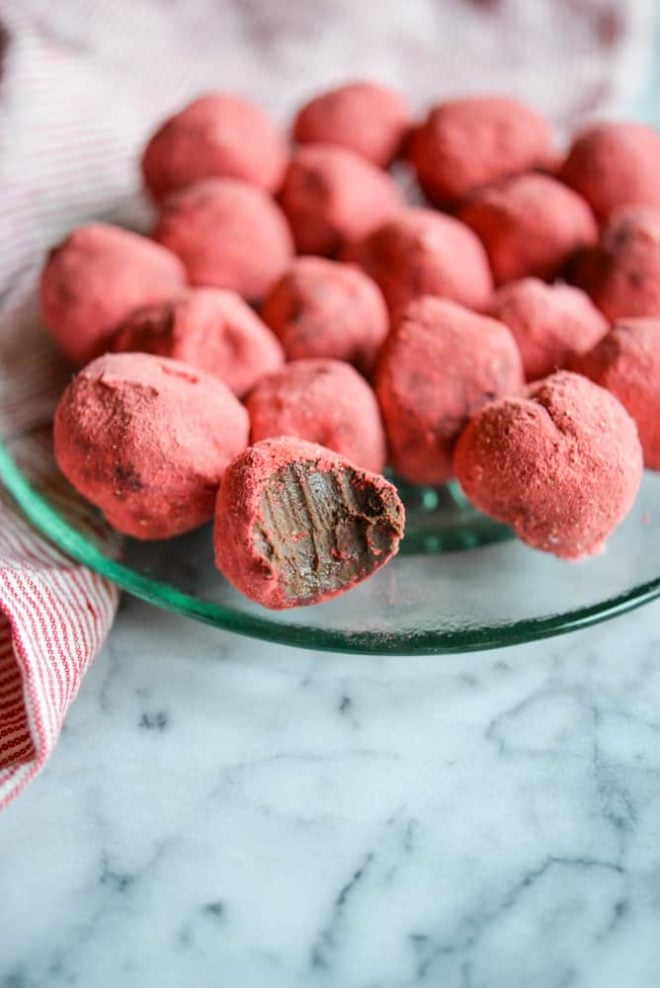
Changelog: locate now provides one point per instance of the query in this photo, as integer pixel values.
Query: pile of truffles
(292, 325)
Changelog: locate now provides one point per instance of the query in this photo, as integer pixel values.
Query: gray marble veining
(223, 812)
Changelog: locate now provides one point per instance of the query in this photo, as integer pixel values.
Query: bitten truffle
(94, 278)
(560, 465)
(439, 365)
(215, 136)
(467, 143)
(147, 439)
(529, 225)
(421, 252)
(366, 118)
(324, 401)
(321, 308)
(208, 328)
(331, 195)
(613, 165)
(550, 323)
(622, 273)
(627, 363)
(228, 235)
(298, 524)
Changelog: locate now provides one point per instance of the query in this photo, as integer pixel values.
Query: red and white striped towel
(81, 84)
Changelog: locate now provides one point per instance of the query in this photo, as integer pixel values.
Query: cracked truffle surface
(147, 439)
(297, 524)
(561, 465)
(439, 365)
(94, 278)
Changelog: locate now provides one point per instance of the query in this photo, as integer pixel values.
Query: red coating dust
(561, 465)
(550, 323)
(216, 136)
(228, 234)
(297, 524)
(147, 440)
(331, 195)
(530, 225)
(440, 364)
(466, 143)
(324, 401)
(209, 328)
(614, 165)
(627, 363)
(622, 272)
(94, 278)
(366, 118)
(321, 308)
(421, 252)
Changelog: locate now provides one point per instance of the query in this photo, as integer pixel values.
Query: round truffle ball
(324, 401)
(529, 225)
(622, 273)
(613, 165)
(331, 195)
(561, 465)
(94, 278)
(321, 308)
(208, 328)
(298, 524)
(215, 136)
(228, 235)
(438, 366)
(550, 323)
(364, 117)
(421, 252)
(627, 363)
(467, 143)
(147, 439)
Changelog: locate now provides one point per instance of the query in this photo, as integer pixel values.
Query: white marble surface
(224, 813)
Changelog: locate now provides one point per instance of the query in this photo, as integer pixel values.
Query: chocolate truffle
(331, 195)
(94, 278)
(366, 118)
(613, 165)
(147, 439)
(215, 136)
(627, 363)
(228, 235)
(439, 365)
(298, 524)
(561, 465)
(529, 225)
(550, 323)
(208, 328)
(324, 401)
(466, 143)
(622, 273)
(421, 252)
(321, 308)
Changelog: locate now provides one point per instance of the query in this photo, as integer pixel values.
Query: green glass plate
(460, 582)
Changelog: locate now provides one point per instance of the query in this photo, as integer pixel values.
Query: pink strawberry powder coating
(627, 363)
(228, 234)
(561, 465)
(297, 524)
(147, 440)
(208, 328)
(94, 278)
(218, 135)
(324, 401)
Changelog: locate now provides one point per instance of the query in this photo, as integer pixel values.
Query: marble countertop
(224, 812)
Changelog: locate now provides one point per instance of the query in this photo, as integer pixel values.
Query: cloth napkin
(82, 82)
